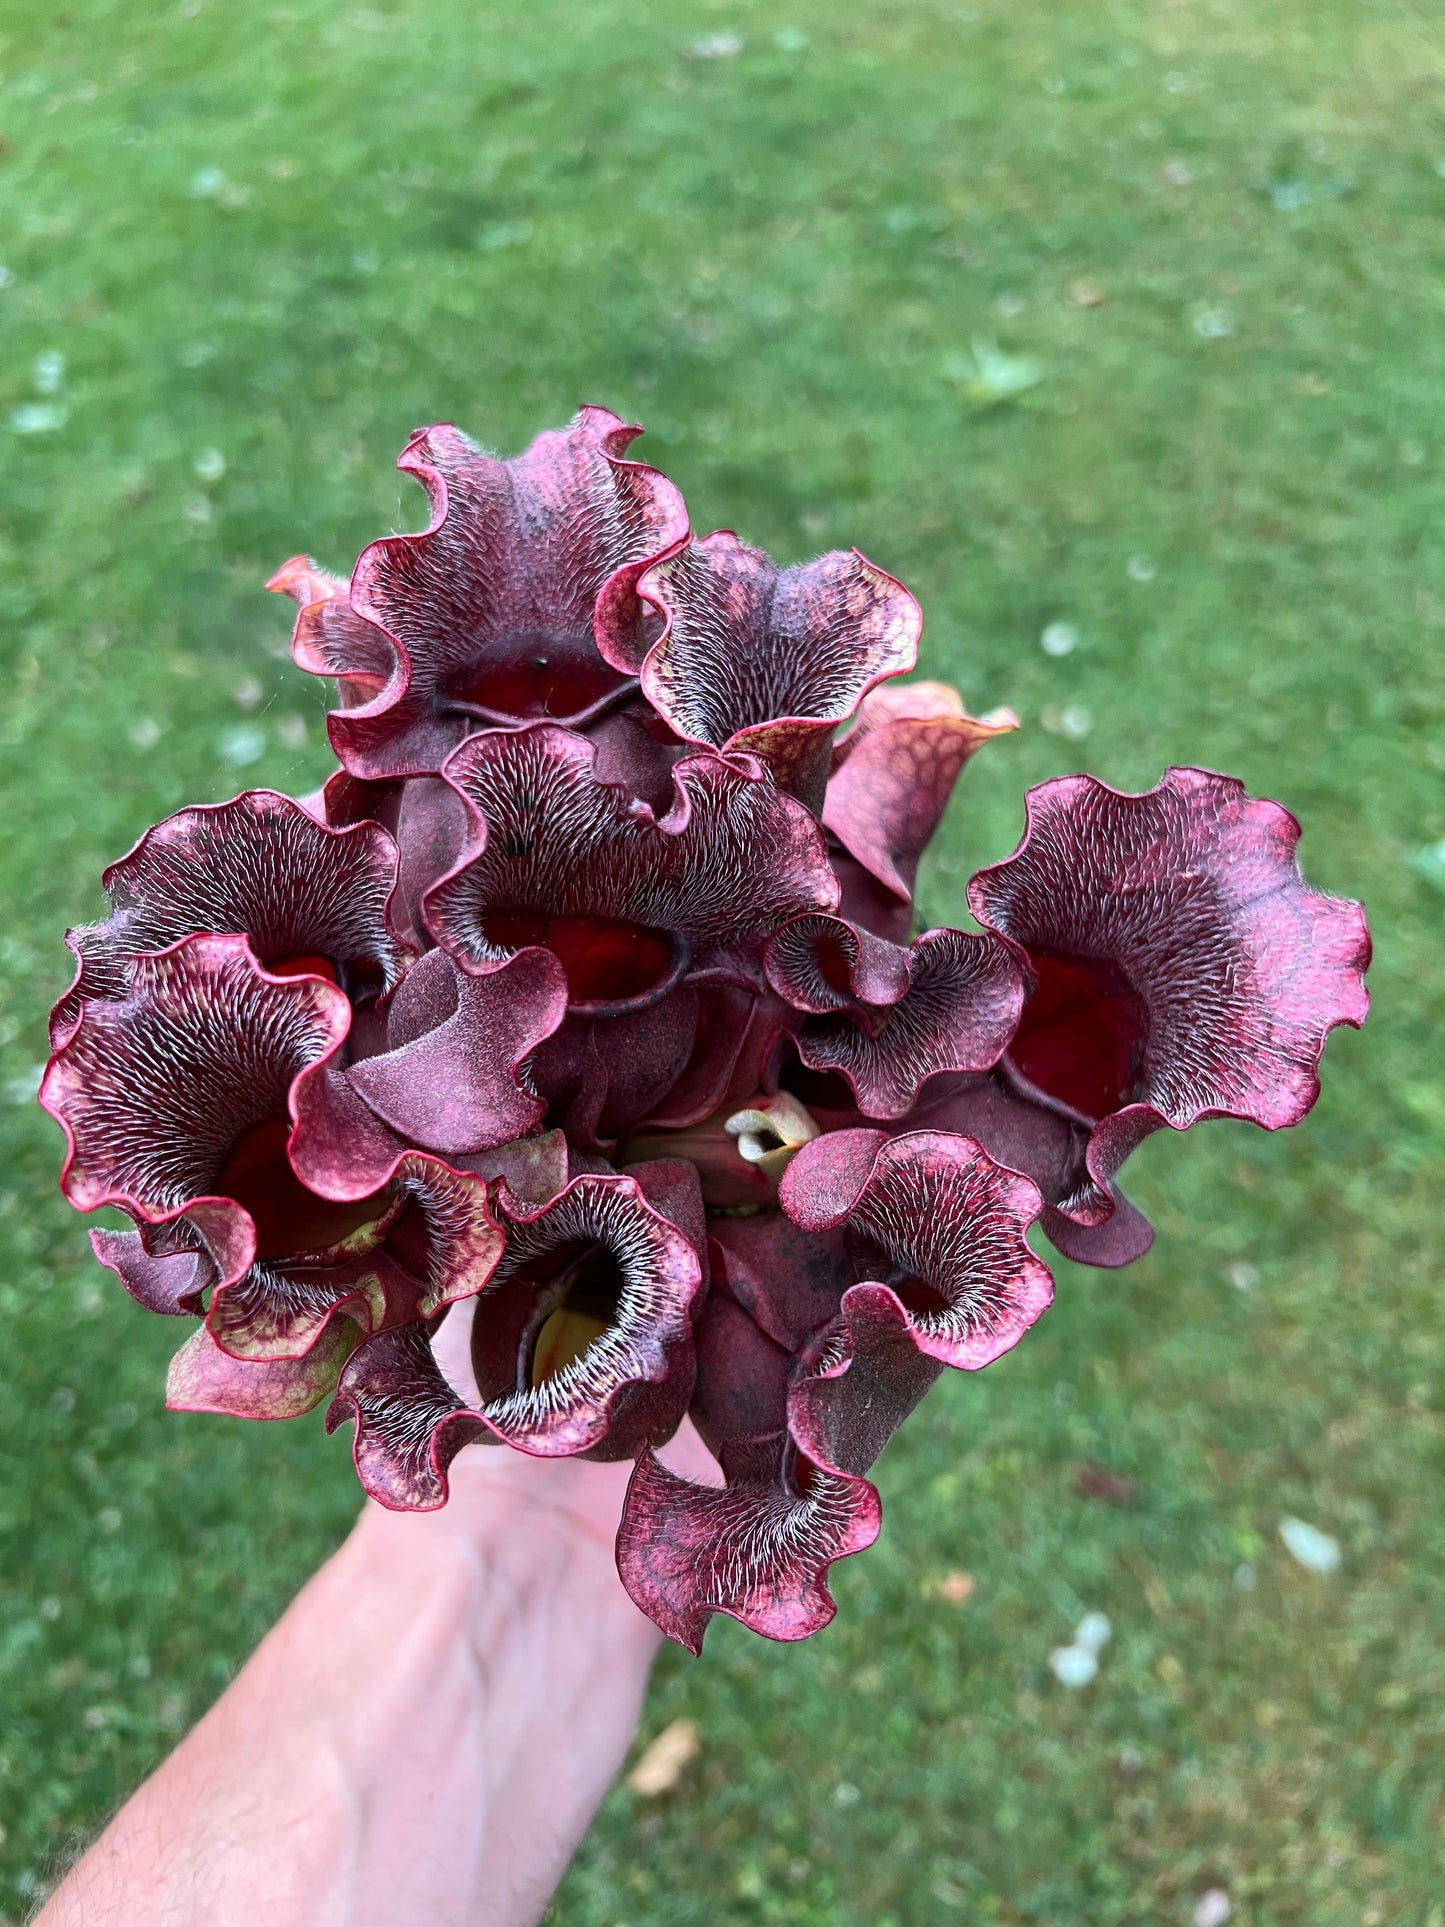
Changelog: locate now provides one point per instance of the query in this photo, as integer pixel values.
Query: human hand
(426, 1733)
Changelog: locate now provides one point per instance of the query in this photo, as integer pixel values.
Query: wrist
(525, 1536)
(424, 1735)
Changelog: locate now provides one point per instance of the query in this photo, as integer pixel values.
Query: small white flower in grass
(243, 745)
(1068, 719)
(94, 1718)
(1212, 324)
(1212, 1908)
(1093, 1632)
(715, 46)
(1059, 639)
(248, 693)
(207, 184)
(198, 510)
(292, 730)
(50, 1607)
(1177, 174)
(845, 1794)
(22, 1088)
(1288, 196)
(504, 234)
(109, 1520)
(210, 465)
(1316, 1551)
(987, 375)
(1242, 1276)
(1010, 305)
(144, 732)
(1073, 1666)
(1141, 568)
(37, 418)
(1429, 862)
(1077, 1663)
(49, 372)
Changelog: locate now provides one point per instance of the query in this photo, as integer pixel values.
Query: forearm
(423, 1737)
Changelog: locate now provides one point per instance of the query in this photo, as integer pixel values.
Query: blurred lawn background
(1128, 318)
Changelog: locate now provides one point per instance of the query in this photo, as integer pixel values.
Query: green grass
(289, 235)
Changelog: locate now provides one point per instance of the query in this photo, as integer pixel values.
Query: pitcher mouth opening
(1082, 1035)
(546, 1316)
(362, 978)
(582, 1307)
(542, 679)
(291, 1221)
(613, 966)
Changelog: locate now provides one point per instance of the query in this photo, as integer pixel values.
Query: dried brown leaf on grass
(665, 1759)
(1093, 1481)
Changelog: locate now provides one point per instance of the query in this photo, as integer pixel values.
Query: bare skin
(423, 1738)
